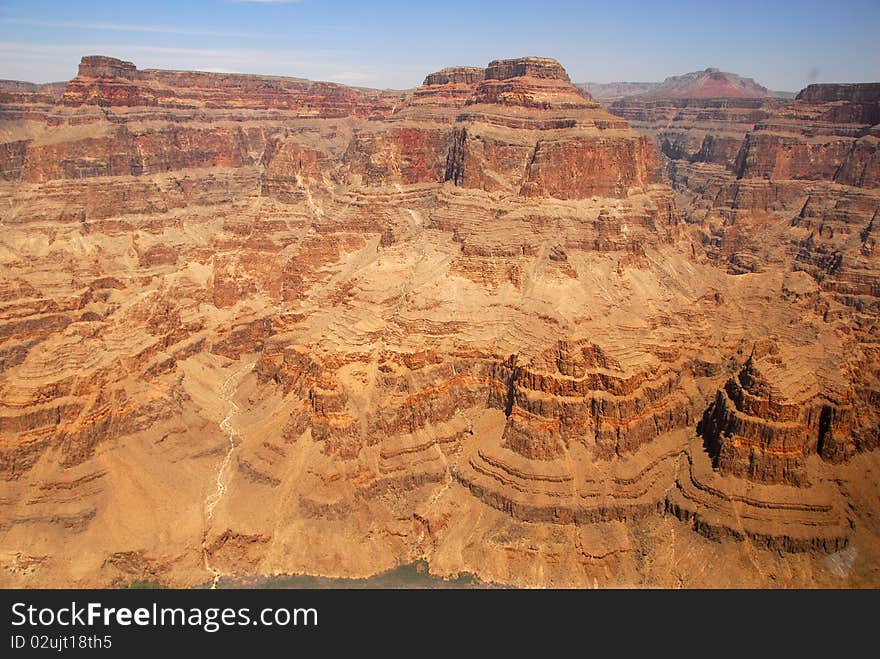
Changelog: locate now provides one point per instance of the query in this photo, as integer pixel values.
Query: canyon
(256, 326)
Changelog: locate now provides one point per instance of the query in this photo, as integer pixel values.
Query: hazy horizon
(783, 45)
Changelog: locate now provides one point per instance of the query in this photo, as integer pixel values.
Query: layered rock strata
(255, 325)
(782, 185)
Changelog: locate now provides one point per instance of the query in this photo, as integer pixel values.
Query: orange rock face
(255, 325)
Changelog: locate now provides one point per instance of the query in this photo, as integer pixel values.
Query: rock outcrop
(868, 92)
(771, 417)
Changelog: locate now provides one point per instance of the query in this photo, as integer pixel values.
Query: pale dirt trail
(227, 394)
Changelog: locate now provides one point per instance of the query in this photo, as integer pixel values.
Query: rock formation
(709, 83)
(786, 186)
(261, 325)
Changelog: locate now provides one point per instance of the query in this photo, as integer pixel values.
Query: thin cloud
(256, 55)
(129, 27)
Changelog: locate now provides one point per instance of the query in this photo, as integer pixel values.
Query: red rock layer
(109, 82)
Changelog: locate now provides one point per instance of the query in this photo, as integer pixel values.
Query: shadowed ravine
(227, 394)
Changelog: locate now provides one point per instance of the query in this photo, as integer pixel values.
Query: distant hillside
(708, 83)
(53, 89)
(613, 90)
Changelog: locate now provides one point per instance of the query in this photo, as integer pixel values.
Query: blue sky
(783, 45)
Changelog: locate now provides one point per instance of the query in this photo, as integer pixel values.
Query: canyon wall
(260, 325)
(787, 186)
